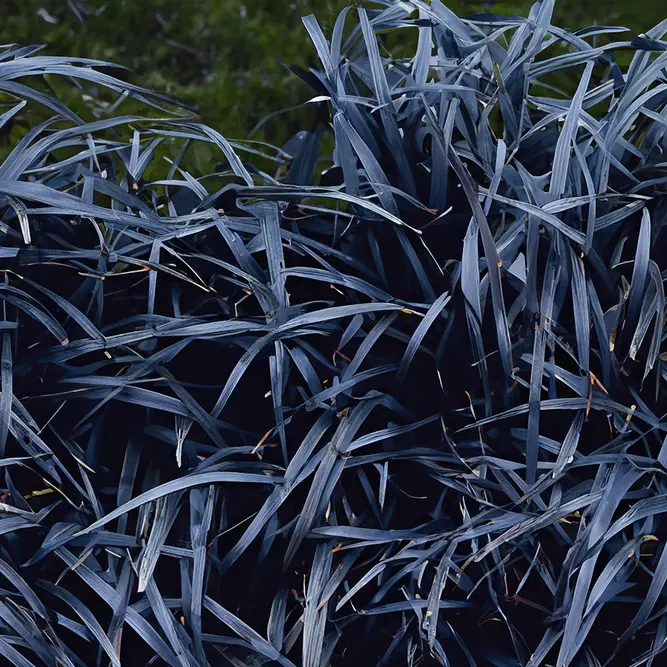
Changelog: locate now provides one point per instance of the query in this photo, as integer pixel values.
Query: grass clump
(392, 392)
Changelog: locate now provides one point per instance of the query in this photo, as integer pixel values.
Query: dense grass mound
(399, 402)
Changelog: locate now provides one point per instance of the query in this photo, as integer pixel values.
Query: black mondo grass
(393, 393)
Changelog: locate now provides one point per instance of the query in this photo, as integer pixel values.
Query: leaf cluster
(392, 390)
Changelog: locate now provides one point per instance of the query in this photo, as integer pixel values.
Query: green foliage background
(225, 57)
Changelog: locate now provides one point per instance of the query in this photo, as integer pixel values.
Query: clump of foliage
(399, 402)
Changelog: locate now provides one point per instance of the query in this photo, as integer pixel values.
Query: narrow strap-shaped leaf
(246, 632)
(418, 336)
(187, 482)
(562, 155)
